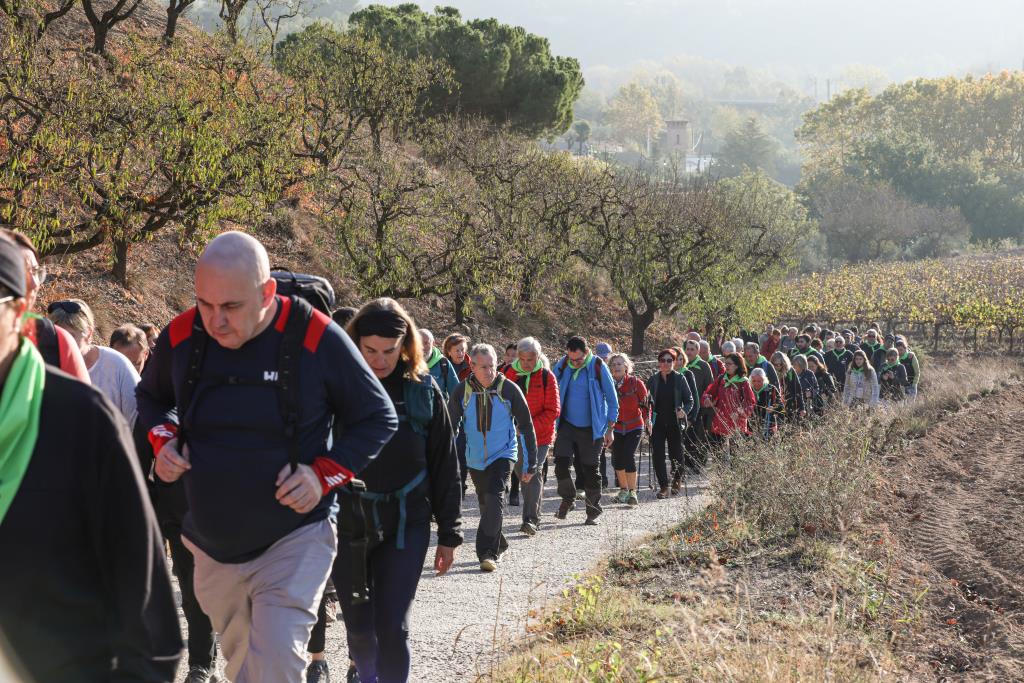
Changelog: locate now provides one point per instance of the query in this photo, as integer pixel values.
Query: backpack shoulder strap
(299, 316)
(47, 342)
(193, 371)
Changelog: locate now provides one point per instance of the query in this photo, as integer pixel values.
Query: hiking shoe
(528, 528)
(198, 674)
(563, 509)
(353, 674)
(632, 500)
(317, 672)
(488, 565)
(591, 521)
(663, 493)
(513, 500)
(622, 496)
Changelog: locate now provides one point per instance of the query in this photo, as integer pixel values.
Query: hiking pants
(624, 451)
(202, 643)
(533, 492)
(578, 442)
(661, 434)
(378, 630)
(265, 609)
(490, 485)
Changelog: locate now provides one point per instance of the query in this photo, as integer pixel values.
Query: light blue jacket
(604, 400)
(509, 417)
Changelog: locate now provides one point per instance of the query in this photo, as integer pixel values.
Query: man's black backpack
(315, 290)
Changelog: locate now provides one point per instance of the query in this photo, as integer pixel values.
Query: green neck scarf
(764, 387)
(586, 363)
(905, 356)
(856, 369)
(435, 357)
(20, 403)
(735, 379)
(517, 366)
(693, 364)
(887, 367)
(760, 359)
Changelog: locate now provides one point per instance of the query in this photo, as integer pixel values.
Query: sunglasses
(666, 360)
(69, 307)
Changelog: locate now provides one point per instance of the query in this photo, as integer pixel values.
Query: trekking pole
(686, 486)
(650, 459)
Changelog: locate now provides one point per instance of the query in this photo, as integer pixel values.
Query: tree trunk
(120, 267)
(460, 308)
(641, 321)
(99, 40)
(172, 25)
(526, 291)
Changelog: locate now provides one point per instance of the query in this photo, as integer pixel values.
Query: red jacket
(542, 397)
(733, 405)
(634, 409)
(770, 347)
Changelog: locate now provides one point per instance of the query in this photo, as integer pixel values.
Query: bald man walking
(240, 397)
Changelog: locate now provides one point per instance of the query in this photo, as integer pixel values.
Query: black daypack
(47, 342)
(287, 381)
(313, 289)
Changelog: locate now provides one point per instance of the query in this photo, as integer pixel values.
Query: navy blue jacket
(237, 444)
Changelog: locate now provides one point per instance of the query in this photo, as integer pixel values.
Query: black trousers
(318, 636)
(666, 433)
(202, 644)
(624, 451)
(578, 443)
(378, 631)
(490, 484)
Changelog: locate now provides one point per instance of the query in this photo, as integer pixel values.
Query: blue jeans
(378, 631)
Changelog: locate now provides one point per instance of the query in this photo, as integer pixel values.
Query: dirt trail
(962, 491)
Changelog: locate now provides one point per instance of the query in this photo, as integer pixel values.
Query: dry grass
(778, 580)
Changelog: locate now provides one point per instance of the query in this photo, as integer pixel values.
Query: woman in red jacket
(530, 371)
(732, 400)
(634, 418)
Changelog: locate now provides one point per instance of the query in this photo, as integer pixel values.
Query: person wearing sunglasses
(671, 401)
(84, 585)
(110, 372)
(56, 346)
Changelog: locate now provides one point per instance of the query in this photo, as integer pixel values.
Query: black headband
(381, 323)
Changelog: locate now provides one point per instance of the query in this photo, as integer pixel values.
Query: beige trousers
(265, 609)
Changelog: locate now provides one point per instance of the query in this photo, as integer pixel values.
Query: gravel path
(462, 621)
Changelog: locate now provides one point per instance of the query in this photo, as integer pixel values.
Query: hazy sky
(811, 37)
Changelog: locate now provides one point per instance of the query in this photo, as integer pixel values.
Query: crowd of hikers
(292, 460)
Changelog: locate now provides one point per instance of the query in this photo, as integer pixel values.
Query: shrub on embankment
(780, 578)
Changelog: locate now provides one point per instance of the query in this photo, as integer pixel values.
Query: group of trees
(417, 191)
(953, 147)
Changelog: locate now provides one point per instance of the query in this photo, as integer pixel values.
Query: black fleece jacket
(408, 453)
(85, 596)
